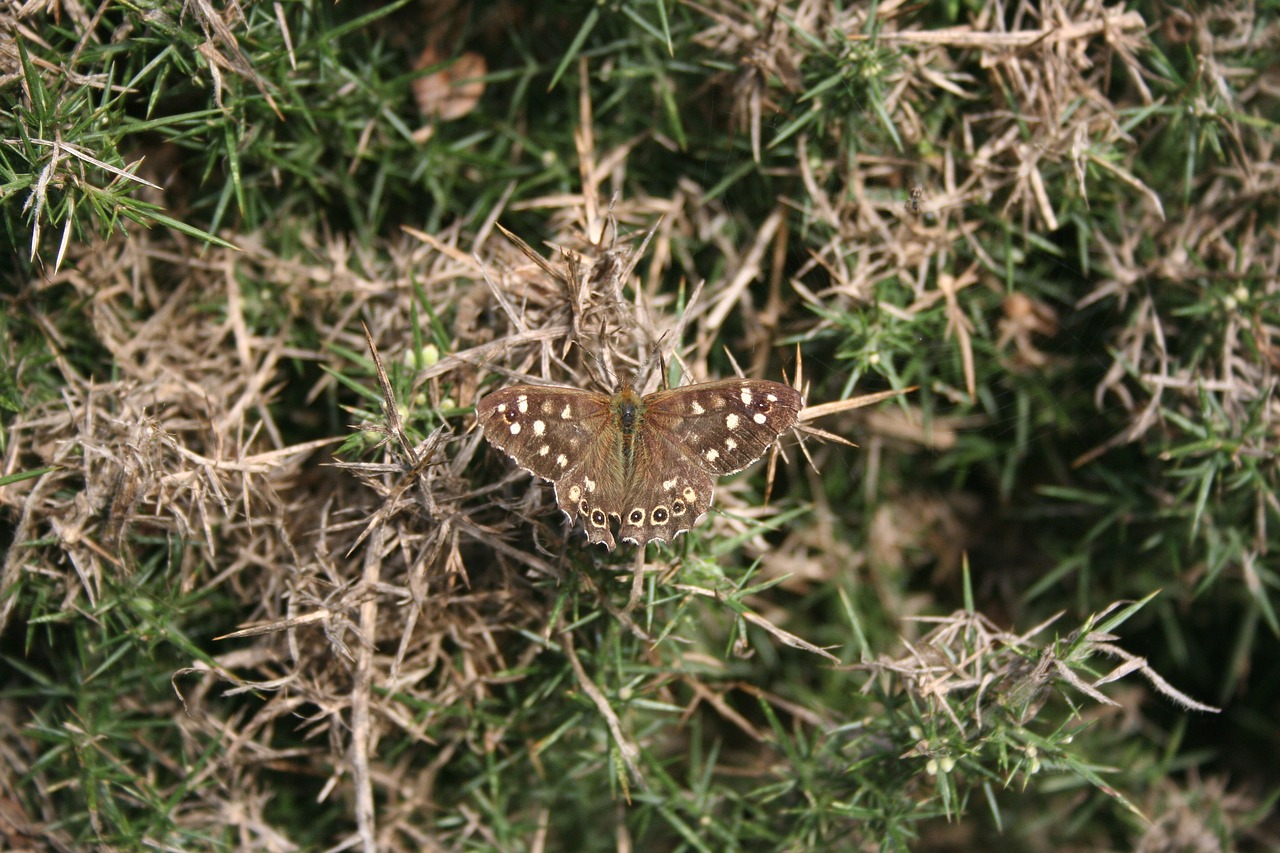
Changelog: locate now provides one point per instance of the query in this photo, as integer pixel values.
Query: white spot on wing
(731, 421)
(590, 484)
(759, 418)
(746, 397)
(731, 444)
(515, 429)
(696, 408)
(712, 455)
(522, 403)
(566, 413)
(575, 493)
(544, 450)
(539, 427)
(562, 460)
(668, 485)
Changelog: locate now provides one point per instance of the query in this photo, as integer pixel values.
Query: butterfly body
(646, 463)
(628, 408)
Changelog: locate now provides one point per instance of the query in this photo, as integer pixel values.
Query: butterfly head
(627, 406)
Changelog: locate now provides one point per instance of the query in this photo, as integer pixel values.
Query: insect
(913, 202)
(647, 464)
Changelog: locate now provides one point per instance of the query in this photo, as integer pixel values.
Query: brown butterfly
(646, 463)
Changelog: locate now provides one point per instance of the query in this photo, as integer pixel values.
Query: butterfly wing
(691, 435)
(544, 429)
(593, 486)
(565, 435)
(667, 492)
(726, 425)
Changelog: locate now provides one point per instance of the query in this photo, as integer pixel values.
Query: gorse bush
(266, 585)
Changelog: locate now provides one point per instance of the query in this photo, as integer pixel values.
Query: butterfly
(646, 464)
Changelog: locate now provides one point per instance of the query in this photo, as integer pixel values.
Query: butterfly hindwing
(667, 492)
(593, 489)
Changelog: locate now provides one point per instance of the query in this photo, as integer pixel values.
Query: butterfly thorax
(627, 408)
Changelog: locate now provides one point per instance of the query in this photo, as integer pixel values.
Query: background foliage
(1001, 619)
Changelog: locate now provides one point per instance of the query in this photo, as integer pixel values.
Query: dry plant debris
(373, 595)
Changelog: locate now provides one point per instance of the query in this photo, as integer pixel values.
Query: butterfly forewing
(725, 425)
(545, 430)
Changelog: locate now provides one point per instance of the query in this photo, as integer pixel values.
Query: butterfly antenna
(655, 354)
(601, 374)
